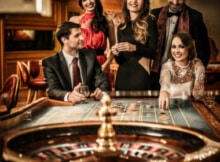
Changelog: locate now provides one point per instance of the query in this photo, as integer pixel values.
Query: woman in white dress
(183, 75)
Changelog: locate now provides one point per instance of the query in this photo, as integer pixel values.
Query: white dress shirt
(170, 27)
(69, 63)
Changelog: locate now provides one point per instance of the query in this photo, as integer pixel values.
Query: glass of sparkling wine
(28, 115)
(210, 98)
(84, 89)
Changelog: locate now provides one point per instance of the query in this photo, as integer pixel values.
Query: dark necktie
(169, 14)
(76, 72)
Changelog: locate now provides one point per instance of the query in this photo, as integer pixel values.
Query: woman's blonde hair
(140, 24)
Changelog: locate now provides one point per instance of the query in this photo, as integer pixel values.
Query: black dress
(131, 75)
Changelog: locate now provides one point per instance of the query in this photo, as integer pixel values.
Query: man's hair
(64, 30)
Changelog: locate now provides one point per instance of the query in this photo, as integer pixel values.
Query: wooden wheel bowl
(75, 142)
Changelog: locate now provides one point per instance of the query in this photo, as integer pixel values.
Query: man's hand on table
(75, 96)
(97, 94)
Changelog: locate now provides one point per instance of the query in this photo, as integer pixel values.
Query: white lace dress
(183, 81)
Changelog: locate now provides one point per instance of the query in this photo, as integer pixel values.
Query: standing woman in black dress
(136, 46)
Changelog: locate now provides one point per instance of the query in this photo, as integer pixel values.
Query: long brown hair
(99, 22)
(140, 24)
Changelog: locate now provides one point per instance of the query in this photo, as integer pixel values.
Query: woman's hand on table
(164, 100)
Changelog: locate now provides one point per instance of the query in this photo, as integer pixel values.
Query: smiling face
(179, 51)
(134, 5)
(89, 5)
(176, 5)
(74, 41)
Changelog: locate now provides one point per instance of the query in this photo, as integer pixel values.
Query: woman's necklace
(181, 70)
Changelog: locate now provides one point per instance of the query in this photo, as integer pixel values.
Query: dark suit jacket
(198, 32)
(57, 76)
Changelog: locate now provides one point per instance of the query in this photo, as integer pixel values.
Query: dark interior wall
(211, 15)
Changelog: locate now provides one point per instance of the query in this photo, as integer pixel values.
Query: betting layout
(180, 113)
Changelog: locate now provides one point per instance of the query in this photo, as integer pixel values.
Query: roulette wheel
(108, 140)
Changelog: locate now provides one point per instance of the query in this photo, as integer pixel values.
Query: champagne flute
(84, 89)
(210, 98)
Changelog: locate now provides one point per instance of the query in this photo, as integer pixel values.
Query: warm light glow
(44, 7)
(39, 6)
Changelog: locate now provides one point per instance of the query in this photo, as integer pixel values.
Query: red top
(92, 40)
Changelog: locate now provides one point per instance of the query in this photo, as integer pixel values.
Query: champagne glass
(210, 98)
(28, 115)
(84, 89)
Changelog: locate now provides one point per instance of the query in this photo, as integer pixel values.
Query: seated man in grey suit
(58, 68)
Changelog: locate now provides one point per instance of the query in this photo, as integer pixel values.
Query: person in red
(97, 31)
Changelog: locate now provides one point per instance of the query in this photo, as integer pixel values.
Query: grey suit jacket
(57, 77)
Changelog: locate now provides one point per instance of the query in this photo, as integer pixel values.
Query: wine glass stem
(83, 101)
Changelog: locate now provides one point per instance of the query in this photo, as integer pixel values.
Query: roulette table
(60, 131)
